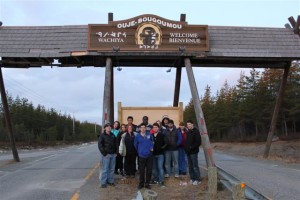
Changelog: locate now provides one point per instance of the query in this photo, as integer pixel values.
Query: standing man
(148, 126)
(107, 145)
(144, 146)
(193, 142)
(158, 156)
(173, 140)
(130, 122)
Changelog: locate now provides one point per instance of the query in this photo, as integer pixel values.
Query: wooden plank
(199, 114)
(106, 95)
(276, 111)
(292, 21)
(177, 86)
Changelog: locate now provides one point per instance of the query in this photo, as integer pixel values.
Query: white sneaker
(196, 182)
(166, 175)
(176, 176)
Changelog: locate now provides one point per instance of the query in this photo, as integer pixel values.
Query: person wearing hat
(108, 147)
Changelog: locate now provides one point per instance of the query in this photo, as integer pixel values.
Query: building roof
(42, 44)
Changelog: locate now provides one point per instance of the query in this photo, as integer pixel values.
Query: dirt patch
(285, 151)
(175, 189)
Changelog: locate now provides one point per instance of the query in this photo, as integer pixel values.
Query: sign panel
(148, 33)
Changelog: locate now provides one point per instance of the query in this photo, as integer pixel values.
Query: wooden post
(120, 112)
(107, 93)
(182, 17)
(212, 183)
(238, 191)
(276, 111)
(199, 115)
(150, 195)
(177, 86)
(112, 108)
(8, 119)
(110, 17)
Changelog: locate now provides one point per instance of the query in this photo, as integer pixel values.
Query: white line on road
(44, 158)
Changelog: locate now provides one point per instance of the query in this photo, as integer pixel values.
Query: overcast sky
(80, 90)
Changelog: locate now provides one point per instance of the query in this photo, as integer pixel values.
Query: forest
(38, 125)
(243, 112)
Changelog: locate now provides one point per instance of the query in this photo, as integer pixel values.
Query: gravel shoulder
(283, 151)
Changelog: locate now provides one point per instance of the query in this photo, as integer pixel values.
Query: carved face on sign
(148, 34)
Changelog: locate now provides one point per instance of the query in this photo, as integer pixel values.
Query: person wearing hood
(173, 139)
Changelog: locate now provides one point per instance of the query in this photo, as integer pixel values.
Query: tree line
(38, 125)
(243, 112)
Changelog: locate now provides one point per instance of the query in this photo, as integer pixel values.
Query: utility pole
(8, 119)
(73, 126)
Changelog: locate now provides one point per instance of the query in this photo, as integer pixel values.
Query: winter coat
(143, 145)
(172, 139)
(127, 144)
(193, 141)
(159, 145)
(107, 144)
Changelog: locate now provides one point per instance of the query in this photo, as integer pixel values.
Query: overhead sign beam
(148, 33)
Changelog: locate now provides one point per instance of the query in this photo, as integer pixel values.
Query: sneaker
(103, 186)
(111, 184)
(176, 176)
(196, 182)
(167, 176)
(153, 182)
(148, 186)
(161, 184)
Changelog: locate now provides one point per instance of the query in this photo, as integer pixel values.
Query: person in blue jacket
(144, 147)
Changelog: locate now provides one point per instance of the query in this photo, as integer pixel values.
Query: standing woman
(182, 158)
(115, 131)
(119, 160)
(129, 151)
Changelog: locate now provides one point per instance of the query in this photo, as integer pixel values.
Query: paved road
(64, 173)
(273, 179)
(47, 174)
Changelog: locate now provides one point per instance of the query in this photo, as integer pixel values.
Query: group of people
(159, 149)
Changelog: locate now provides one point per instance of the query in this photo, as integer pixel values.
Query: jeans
(145, 169)
(182, 160)
(158, 170)
(174, 156)
(194, 167)
(108, 169)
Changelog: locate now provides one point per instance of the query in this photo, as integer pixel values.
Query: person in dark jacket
(193, 142)
(182, 158)
(130, 157)
(173, 140)
(144, 147)
(107, 145)
(130, 122)
(158, 155)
